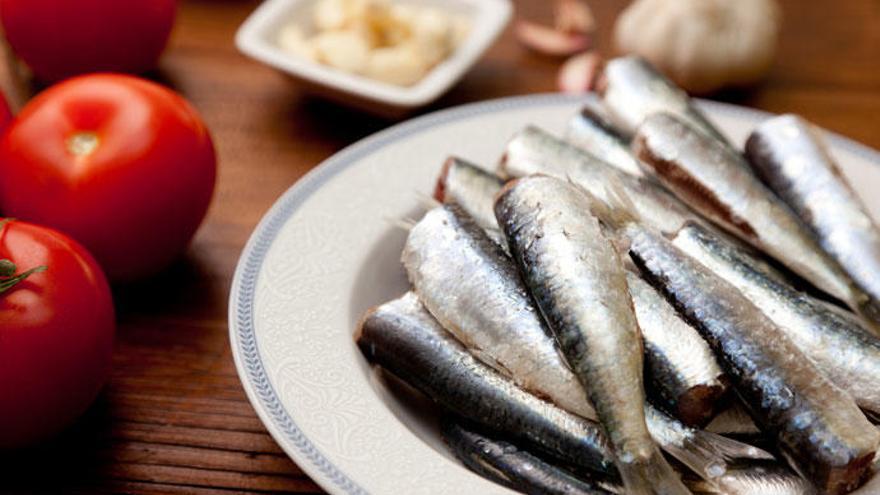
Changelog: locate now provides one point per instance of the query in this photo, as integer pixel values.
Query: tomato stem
(10, 282)
(7, 268)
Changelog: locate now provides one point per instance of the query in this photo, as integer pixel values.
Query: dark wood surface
(174, 418)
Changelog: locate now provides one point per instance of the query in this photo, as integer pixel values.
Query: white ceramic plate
(327, 251)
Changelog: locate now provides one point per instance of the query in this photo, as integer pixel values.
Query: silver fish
(490, 312)
(755, 478)
(684, 374)
(718, 183)
(514, 467)
(534, 151)
(631, 89)
(817, 425)
(579, 284)
(840, 346)
(592, 132)
(467, 185)
(474, 290)
(402, 337)
(788, 154)
(681, 368)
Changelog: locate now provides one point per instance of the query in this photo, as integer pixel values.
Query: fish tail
(709, 454)
(651, 476)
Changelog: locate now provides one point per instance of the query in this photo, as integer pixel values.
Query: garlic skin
(702, 45)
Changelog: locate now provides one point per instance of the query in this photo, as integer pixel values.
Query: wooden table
(174, 418)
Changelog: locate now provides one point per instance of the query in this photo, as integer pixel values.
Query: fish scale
(815, 423)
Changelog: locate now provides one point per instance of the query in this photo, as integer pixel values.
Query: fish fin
(709, 454)
(651, 476)
(405, 224)
(617, 210)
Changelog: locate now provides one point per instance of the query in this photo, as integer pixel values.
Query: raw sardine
(680, 368)
(534, 151)
(515, 468)
(840, 346)
(592, 132)
(788, 154)
(579, 284)
(632, 89)
(402, 337)
(490, 312)
(755, 478)
(815, 423)
(474, 290)
(718, 183)
(466, 184)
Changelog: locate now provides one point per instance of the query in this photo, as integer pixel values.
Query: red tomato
(5, 113)
(56, 333)
(62, 38)
(120, 164)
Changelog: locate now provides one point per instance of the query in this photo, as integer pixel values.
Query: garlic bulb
(703, 45)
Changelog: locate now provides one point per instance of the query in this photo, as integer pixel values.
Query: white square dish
(257, 37)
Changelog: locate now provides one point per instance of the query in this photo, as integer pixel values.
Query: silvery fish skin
(756, 478)
(839, 345)
(718, 183)
(632, 89)
(474, 290)
(534, 151)
(467, 185)
(680, 366)
(402, 337)
(685, 375)
(503, 329)
(579, 284)
(592, 132)
(815, 423)
(514, 467)
(788, 154)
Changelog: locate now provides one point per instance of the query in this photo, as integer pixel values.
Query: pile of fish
(642, 308)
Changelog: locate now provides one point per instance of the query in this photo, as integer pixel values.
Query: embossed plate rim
(242, 334)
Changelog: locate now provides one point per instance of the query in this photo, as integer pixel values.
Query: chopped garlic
(392, 42)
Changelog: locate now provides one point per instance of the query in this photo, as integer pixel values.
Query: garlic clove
(342, 49)
(549, 41)
(574, 16)
(579, 73)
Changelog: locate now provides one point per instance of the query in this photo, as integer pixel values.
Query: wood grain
(174, 418)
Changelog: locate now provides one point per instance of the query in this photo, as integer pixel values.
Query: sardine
(579, 284)
(816, 425)
(755, 478)
(592, 132)
(490, 312)
(467, 185)
(679, 366)
(402, 337)
(475, 291)
(515, 468)
(445, 244)
(788, 154)
(631, 89)
(534, 151)
(718, 183)
(840, 346)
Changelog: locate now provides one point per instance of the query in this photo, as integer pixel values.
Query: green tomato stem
(8, 283)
